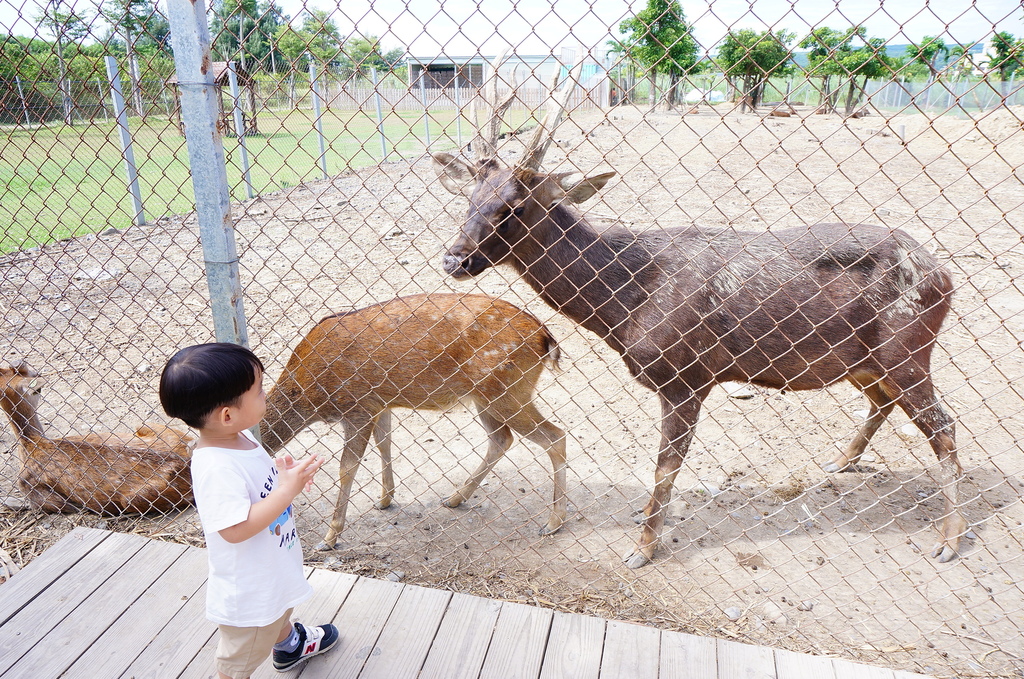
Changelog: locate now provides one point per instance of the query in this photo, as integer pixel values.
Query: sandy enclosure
(830, 564)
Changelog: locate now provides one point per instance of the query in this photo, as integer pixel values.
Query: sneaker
(312, 641)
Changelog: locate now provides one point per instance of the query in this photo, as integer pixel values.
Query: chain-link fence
(742, 125)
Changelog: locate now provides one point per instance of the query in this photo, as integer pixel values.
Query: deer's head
(507, 208)
(508, 205)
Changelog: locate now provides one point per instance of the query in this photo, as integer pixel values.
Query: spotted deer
(690, 307)
(429, 352)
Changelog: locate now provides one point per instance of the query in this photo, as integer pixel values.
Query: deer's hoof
(548, 530)
(382, 504)
(832, 468)
(324, 547)
(636, 560)
(452, 502)
(944, 553)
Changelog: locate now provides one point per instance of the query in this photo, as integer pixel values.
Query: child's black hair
(201, 378)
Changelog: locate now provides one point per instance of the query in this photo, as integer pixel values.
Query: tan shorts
(241, 650)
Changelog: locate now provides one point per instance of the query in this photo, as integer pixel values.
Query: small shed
(221, 79)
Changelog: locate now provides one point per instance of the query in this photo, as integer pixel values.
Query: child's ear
(221, 415)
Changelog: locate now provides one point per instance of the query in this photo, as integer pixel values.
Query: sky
(463, 27)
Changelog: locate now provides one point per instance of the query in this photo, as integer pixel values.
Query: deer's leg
(357, 436)
(679, 418)
(382, 435)
(530, 424)
(881, 406)
(928, 415)
(499, 438)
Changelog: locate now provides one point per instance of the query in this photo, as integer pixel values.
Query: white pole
(24, 104)
(126, 139)
(458, 106)
(380, 117)
(423, 100)
(236, 109)
(316, 113)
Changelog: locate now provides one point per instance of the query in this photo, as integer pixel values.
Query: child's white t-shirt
(252, 583)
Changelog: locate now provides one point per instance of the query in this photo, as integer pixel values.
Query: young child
(245, 504)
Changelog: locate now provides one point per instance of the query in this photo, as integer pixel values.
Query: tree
(832, 54)
(128, 18)
(244, 31)
(661, 41)
(754, 58)
(928, 53)
(65, 26)
(1009, 54)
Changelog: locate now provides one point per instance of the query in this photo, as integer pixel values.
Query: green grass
(59, 181)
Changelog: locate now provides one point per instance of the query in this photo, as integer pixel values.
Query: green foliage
(659, 39)
(1009, 56)
(747, 53)
(929, 52)
(244, 31)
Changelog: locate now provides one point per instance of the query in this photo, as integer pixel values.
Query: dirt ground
(828, 564)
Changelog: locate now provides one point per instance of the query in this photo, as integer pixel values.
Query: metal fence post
(236, 110)
(200, 107)
(317, 114)
(380, 117)
(121, 115)
(423, 100)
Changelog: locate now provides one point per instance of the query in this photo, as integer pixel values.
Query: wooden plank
(850, 670)
(686, 656)
(630, 651)
(517, 645)
(574, 647)
(792, 665)
(27, 583)
(745, 661)
(360, 621)
(52, 605)
(461, 642)
(123, 641)
(403, 643)
(330, 589)
(82, 626)
(178, 642)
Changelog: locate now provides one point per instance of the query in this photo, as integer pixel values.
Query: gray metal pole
(380, 117)
(458, 107)
(126, 139)
(24, 104)
(236, 109)
(316, 114)
(423, 99)
(199, 113)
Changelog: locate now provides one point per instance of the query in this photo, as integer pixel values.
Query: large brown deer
(690, 307)
(425, 352)
(108, 473)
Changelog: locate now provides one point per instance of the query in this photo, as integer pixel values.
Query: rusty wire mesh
(759, 544)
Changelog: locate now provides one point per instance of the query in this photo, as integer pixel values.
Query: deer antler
(543, 135)
(485, 142)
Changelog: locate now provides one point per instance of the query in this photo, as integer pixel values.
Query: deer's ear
(455, 175)
(578, 188)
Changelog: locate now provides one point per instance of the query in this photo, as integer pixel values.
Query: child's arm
(293, 476)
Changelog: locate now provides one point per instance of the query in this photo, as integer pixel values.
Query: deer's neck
(594, 280)
(24, 419)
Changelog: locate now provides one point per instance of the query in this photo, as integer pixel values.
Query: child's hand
(297, 475)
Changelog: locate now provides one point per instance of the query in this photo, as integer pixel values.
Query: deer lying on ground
(107, 473)
(424, 352)
(691, 307)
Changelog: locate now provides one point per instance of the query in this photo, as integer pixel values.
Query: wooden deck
(115, 605)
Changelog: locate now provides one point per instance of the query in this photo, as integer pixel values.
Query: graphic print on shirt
(287, 537)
